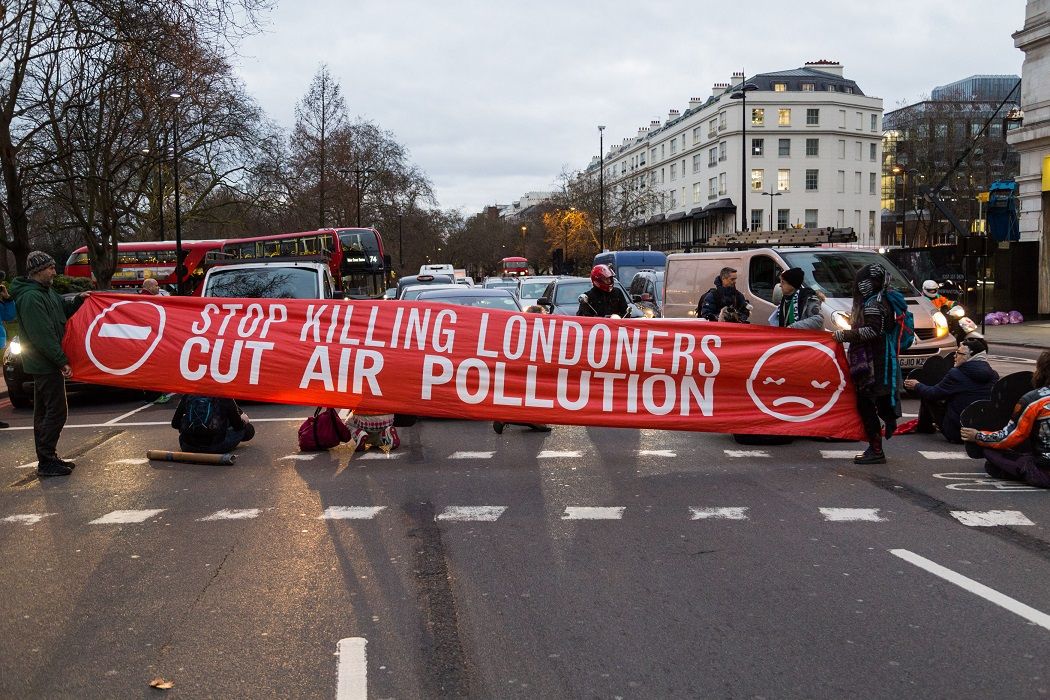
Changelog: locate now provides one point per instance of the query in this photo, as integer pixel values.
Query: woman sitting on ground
(971, 379)
(1021, 450)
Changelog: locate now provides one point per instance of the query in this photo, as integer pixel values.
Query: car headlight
(941, 324)
(841, 321)
(957, 311)
(15, 348)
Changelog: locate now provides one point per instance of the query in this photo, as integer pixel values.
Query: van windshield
(832, 272)
(264, 283)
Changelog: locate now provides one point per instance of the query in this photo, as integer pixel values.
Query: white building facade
(812, 158)
(1032, 139)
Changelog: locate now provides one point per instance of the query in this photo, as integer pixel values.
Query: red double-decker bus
(138, 260)
(514, 267)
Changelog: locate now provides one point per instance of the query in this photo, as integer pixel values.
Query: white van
(830, 270)
(442, 269)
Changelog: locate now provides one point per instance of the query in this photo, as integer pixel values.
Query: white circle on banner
(799, 368)
(125, 331)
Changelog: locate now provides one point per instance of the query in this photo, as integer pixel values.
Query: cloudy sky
(494, 99)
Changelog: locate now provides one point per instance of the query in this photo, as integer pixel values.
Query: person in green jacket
(42, 314)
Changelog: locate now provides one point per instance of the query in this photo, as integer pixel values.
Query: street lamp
(178, 194)
(741, 94)
(898, 196)
(524, 230)
(771, 195)
(601, 188)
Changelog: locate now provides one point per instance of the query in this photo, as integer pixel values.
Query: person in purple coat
(971, 379)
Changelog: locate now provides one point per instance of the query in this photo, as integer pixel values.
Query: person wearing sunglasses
(971, 379)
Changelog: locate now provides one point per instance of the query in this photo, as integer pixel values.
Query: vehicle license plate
(911, 362)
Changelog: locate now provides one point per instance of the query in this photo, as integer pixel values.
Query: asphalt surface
(624, 563)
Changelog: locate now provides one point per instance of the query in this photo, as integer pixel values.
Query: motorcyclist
(602, 299)
(930, 290)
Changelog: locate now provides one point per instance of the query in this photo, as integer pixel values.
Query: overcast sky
(494, 99)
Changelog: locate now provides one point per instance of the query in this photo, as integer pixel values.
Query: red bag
(322, 430)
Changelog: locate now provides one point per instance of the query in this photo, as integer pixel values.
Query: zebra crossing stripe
(301, 457)
(848, 515)
(231, 514)
(26, 518)
(350, 512)
(838, 454)
(990, 518)
(943, 455)
(121, 517)
(731, 513)
(481, 514)
(593, 512)
(471, 455)
(747, 453)
(657, 453)
(380, 455)
(558, 454)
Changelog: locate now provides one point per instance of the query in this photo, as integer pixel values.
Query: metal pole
(400, 242)
(601, 189)
(357, 173)
(178, 210)
(770, 210)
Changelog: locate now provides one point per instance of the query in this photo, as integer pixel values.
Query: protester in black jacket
(971, 379)
(210, 424)
(602, 299)
(724, 302)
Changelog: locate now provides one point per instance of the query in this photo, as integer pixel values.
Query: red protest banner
(462, 362)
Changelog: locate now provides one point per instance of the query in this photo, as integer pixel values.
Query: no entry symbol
(122, 337)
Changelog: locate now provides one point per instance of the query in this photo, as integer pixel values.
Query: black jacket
(602, 303)
(719, 297)
(230, 418)
(971, 381)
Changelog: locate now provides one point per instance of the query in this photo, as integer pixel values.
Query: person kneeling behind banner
(373, 430)
(210, 424)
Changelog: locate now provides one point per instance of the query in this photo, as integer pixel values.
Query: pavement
(1032, 334)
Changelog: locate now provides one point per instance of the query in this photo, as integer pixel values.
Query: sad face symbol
(796, 381)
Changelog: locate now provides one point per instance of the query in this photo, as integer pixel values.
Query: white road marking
(26, 518)
(747, 453)
(352, 683)
(129, 413)
(943, 455)
(593, 512)
(731, 513)
(344, 414)
(556, 454)
(131, 460)
(657, 453)
(125, 331)
(471, 455)
(300, 457)
(231, 514)
(1018, 360)
(120, 517)
(990, 518)
(379, 454)
(350, 512)
(990, 594)
(27, 465)
(848, 515)
(483, 514)
(838, 454)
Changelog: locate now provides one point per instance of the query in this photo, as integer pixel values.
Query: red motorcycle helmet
(602, 277)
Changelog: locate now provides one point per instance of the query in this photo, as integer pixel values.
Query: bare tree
(318, 116)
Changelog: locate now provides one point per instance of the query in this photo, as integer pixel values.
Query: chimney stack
(695, 102)
(719, 89)
(738, 77)
(833, 67)
(672, 114)
(654, 124)
(643, 131)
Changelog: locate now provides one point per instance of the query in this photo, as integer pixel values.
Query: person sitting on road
(1021, 450)
(971, 379)
(799, 306)
(724, 302)
(931, 290)
(151, 287)
(210, 424)
(602, 299)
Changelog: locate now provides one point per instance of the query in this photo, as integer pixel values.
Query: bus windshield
(363, 268)
(832, 272)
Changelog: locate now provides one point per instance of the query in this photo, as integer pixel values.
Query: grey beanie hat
(38, 260)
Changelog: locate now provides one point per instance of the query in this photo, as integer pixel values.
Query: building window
(841, 184)
(722, 150)
(674, 145)
(856, 183)
(674, 172)
(780, 87)
(712, 127)
(858, 150)
(757, 175)
(842, 148)
(783, 218)
(783, 180)
(808, 87)
(758, 116)
(756, 219)
(812, 180)
(674, 198)
(652, 155)
(712, 156)
(697, 193)
(813, 116)
(758, 147)
(840, 218)
(696, 136)
(721, 183)
(712, 188)
(784, 116)
(812, 147)
(848, 90)
(874, 122)
(663, 175)
(842, 119)
(652, 179)
(872, 150)
(860, 120)
(811, 218)
(721, 120)
(784, 147)
(871, 184)
(696, 163)
(871, 223)
(663, 150)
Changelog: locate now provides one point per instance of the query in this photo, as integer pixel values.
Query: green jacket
(42, 316)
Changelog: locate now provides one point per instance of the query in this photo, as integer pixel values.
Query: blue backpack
(202, 418)
(903, 333)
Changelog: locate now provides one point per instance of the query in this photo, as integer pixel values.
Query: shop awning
(676, 216)
(722, 204)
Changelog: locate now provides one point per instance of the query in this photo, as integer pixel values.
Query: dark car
(477, 297)
(647, 288)
(562, 295)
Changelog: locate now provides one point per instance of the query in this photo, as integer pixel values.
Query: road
(584, 562)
